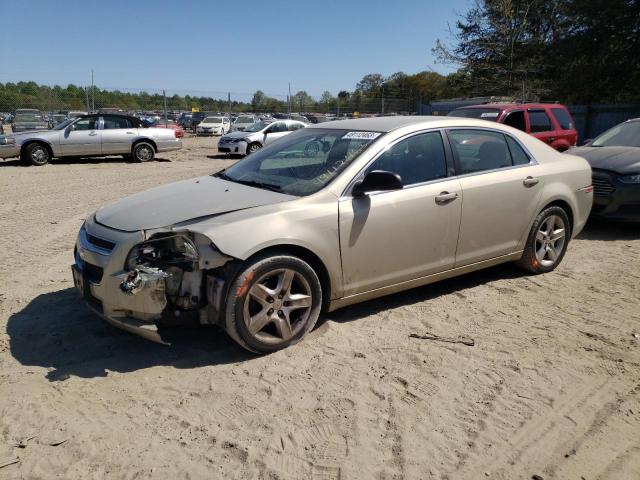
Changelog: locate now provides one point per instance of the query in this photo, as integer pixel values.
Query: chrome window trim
(532, 160)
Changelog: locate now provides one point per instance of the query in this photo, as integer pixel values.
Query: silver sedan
(91, 135)
(328, 216)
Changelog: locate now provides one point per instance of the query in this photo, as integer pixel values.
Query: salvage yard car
(256, 136)
(91, 135)
(27, 119)
(243, 121)
(213, 126)
(549, 122)
(614, 157)
(328, 216)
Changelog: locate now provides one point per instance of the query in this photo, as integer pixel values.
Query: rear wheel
(547, 241)
(143, 152)
(36, 154)
(273, 303)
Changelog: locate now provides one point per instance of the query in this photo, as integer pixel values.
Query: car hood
(242, 134)
(45, 134)
(622, 160)
(183, 201)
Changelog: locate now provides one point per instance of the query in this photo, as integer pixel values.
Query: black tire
(271, 271)
(253, 147)
(127, 157)
(536, 257)
(36, 154)
(143, 152)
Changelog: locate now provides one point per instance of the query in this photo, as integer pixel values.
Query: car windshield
(301, 163)
(245, 120)
(623, 135)
(63, 125)
(481, 113)
(28, 117)
(256, 127)
(212, 120)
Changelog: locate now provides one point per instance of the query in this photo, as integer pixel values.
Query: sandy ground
(551, 387)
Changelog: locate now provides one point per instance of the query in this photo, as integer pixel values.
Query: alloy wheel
(39, 154)
(550, 239)
(277, 306)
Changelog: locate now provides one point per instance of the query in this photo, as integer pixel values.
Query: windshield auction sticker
(361, 136)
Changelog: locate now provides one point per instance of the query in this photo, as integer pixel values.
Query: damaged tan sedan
(328, 216)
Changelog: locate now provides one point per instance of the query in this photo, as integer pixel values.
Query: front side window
(539, 121)
(111, 123)
(516, 120)
(480, 150)
(417, 159)
(277, 127)
(302, 162)
(85, 124)
(563, 118)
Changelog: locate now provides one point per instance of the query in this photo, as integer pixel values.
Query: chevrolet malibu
(256, 136)
(328, 216)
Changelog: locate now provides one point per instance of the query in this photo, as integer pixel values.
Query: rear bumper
(169, 145)
(9, 151)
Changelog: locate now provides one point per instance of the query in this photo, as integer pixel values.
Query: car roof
(503, 106)
(380, 124)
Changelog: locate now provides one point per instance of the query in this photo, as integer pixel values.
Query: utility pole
(289, 101)
(164, 96)
(229, 102)
(93, 94)
(86, 93)
(382, 100)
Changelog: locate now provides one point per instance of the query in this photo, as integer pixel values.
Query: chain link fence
(57, 102)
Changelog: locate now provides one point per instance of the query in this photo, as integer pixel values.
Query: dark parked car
(614, 157)
(549, 122)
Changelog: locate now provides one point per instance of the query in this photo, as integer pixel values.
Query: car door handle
(129, 133)
(445, 197)
(530, 181)
(93, 134)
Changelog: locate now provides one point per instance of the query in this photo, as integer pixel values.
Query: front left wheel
(273, 303)
(36, 154)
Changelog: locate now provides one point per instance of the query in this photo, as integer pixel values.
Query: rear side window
(516, 120)
(277, 127)
(116, 122)
(563, 118)
(539, 121)
(480, 150)
(518, 155)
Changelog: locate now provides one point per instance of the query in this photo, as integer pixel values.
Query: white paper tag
(489, 115)
(361, 135)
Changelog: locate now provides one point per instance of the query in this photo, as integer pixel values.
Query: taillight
(175, 133)
(587, 189)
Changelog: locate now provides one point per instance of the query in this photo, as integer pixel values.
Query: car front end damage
(141, 281)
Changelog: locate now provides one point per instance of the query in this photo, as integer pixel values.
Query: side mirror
(587, 142)
(377, 181)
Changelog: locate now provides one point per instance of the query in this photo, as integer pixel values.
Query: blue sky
(210, 46)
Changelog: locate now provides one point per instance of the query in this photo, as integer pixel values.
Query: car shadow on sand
(80, 161)
(455, 285)
(609, 231)
(57, 331)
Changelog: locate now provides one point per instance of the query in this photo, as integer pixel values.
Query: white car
(256, 136)
(243, 121)
(214, 126)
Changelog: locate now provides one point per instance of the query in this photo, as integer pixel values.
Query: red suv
(550, 122)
